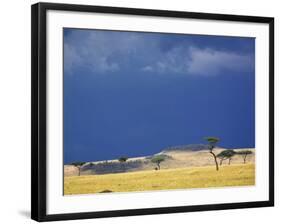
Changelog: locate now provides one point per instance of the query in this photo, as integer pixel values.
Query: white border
(57, 203)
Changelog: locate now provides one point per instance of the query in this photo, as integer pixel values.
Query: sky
(135, 93)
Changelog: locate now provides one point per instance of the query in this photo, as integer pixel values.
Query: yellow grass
(181, 178)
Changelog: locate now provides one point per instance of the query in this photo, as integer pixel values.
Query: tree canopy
(123, 159)
(212, 139)
(244, 152)
(158, 158)
(226, 153)
(78, 163)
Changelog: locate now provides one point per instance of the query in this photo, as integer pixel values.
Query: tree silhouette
(244, 154)
(78, 165)
(212, 144)
(226, 154)
(123, 160)
(158, 159)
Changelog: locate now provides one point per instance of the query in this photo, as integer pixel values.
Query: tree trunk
(215, 158)
(229, 161)
(221, 162)
(79, 170)
(158, 164)
(245, 158)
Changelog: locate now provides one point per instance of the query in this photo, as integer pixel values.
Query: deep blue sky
(133, 93)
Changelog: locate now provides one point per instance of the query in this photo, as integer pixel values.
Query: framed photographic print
(140, 111)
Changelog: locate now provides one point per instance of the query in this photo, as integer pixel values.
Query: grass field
(181, 178)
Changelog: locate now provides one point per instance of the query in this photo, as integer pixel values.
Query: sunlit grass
(181, 178)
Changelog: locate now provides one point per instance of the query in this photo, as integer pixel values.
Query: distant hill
(190, 147)
(194, 155)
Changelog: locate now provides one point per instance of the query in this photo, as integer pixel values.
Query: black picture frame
(39, 121)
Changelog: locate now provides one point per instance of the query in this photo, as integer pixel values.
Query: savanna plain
(183, 167)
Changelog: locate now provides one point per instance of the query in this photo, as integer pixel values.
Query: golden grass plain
(164, 179)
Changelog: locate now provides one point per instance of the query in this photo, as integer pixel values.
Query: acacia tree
(78, 165)
(91, 165)
(212, 144)
(123, 160)
(157, 160)
(226, 154)
(244, 154)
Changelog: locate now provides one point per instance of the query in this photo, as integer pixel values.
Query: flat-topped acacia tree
(78, 165)
(158, 159)
(226, 154)
(123, 160)
(244, 154)
(212, 144)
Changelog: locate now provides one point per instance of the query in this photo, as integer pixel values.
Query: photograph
(155, 111)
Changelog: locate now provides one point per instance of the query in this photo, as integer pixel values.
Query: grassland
(179, 178)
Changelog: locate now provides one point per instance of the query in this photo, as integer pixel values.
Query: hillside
(190, 147)
(175, 157)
